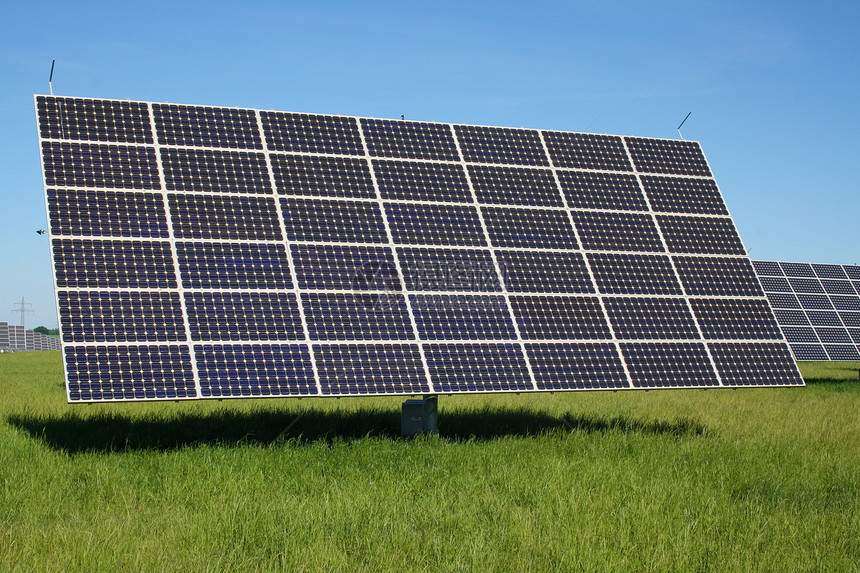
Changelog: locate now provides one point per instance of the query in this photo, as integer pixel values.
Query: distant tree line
(55, 332)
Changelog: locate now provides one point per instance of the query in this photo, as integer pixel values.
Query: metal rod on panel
(51, 77)
(682, 123)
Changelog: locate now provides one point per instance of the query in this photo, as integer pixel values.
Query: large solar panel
(816, 305)
(205, 252)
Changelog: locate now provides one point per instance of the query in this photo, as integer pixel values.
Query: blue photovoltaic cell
(560, 317)
(587, 151)
(409, 139)
(501, 145)
(224, 217)
(198, 126)
(576, 366)
(765, 268)
(450, 225)
(850, 318)
(122, 316)
(842, 352)
(800, 285)
(784, 316)
(823, 318)
(706, 235)
(87, 213)
(532, 228)
(234, 266)
(346, 369)
(837, 287)
(215, 171)
(684, 195)
(722, 319)
(587, 190)
(712, 276)
(246, 370)
(617, 273)
(102, 166)
(462, 317)
(96, 373)
(650, 318)
(348, 267)
(654, 365)
(325, 220)
(809, 352)
(351, 256)
(546, 272)
(797, 269)
(775, 284)
(833, 335)
(495, 184)
(479, 367)
(829, 271)
(241, 316)
(357, 316)
(845, 302)
(93, 120)
(302, 132)
(755, 364)
(113, 264)
(435, 269)
(322, 176)
(667, 156)
(601, 231)
(422, 181)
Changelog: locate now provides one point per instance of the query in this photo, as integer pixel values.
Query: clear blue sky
(772, 86)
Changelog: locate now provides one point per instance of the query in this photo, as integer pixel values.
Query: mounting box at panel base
(419, 416)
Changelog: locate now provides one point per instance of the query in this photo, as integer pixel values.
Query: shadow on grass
(112, 432)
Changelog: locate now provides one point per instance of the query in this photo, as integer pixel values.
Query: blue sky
(772, 87)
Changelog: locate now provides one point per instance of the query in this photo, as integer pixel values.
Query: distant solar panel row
(213, 252)
(817, 307)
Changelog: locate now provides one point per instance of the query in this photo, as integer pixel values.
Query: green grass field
(719, 480)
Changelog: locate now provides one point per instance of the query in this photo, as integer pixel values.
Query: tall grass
(720, 480)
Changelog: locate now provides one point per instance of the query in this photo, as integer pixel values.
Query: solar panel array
(817, 307)
(205, 252)
(16, 338)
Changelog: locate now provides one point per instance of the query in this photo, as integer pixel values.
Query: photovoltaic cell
(477, 367)
(546, 272)
(247, 370)
(113, 264)
(348, 267)
(800, 285)
(501, 145)
(667, 156)
(234, 266)
(576, 366)
(767, 268)
(215, 171)
(560, 317)
(514, 186)
(650, 318)
(103, 166)
(586, 190)
(94, 120)
(684, 195)
(422, 181)
(587, 151)
(301, 132)
(705, 235)
(346, 369)
(809, 352)
(434, 269)
(332, 255)
(775, 284)
(88, 213)
(197, 126)
(601, 231)
(531, 228)
(409, 139)
(322, 176)
(677, 364)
